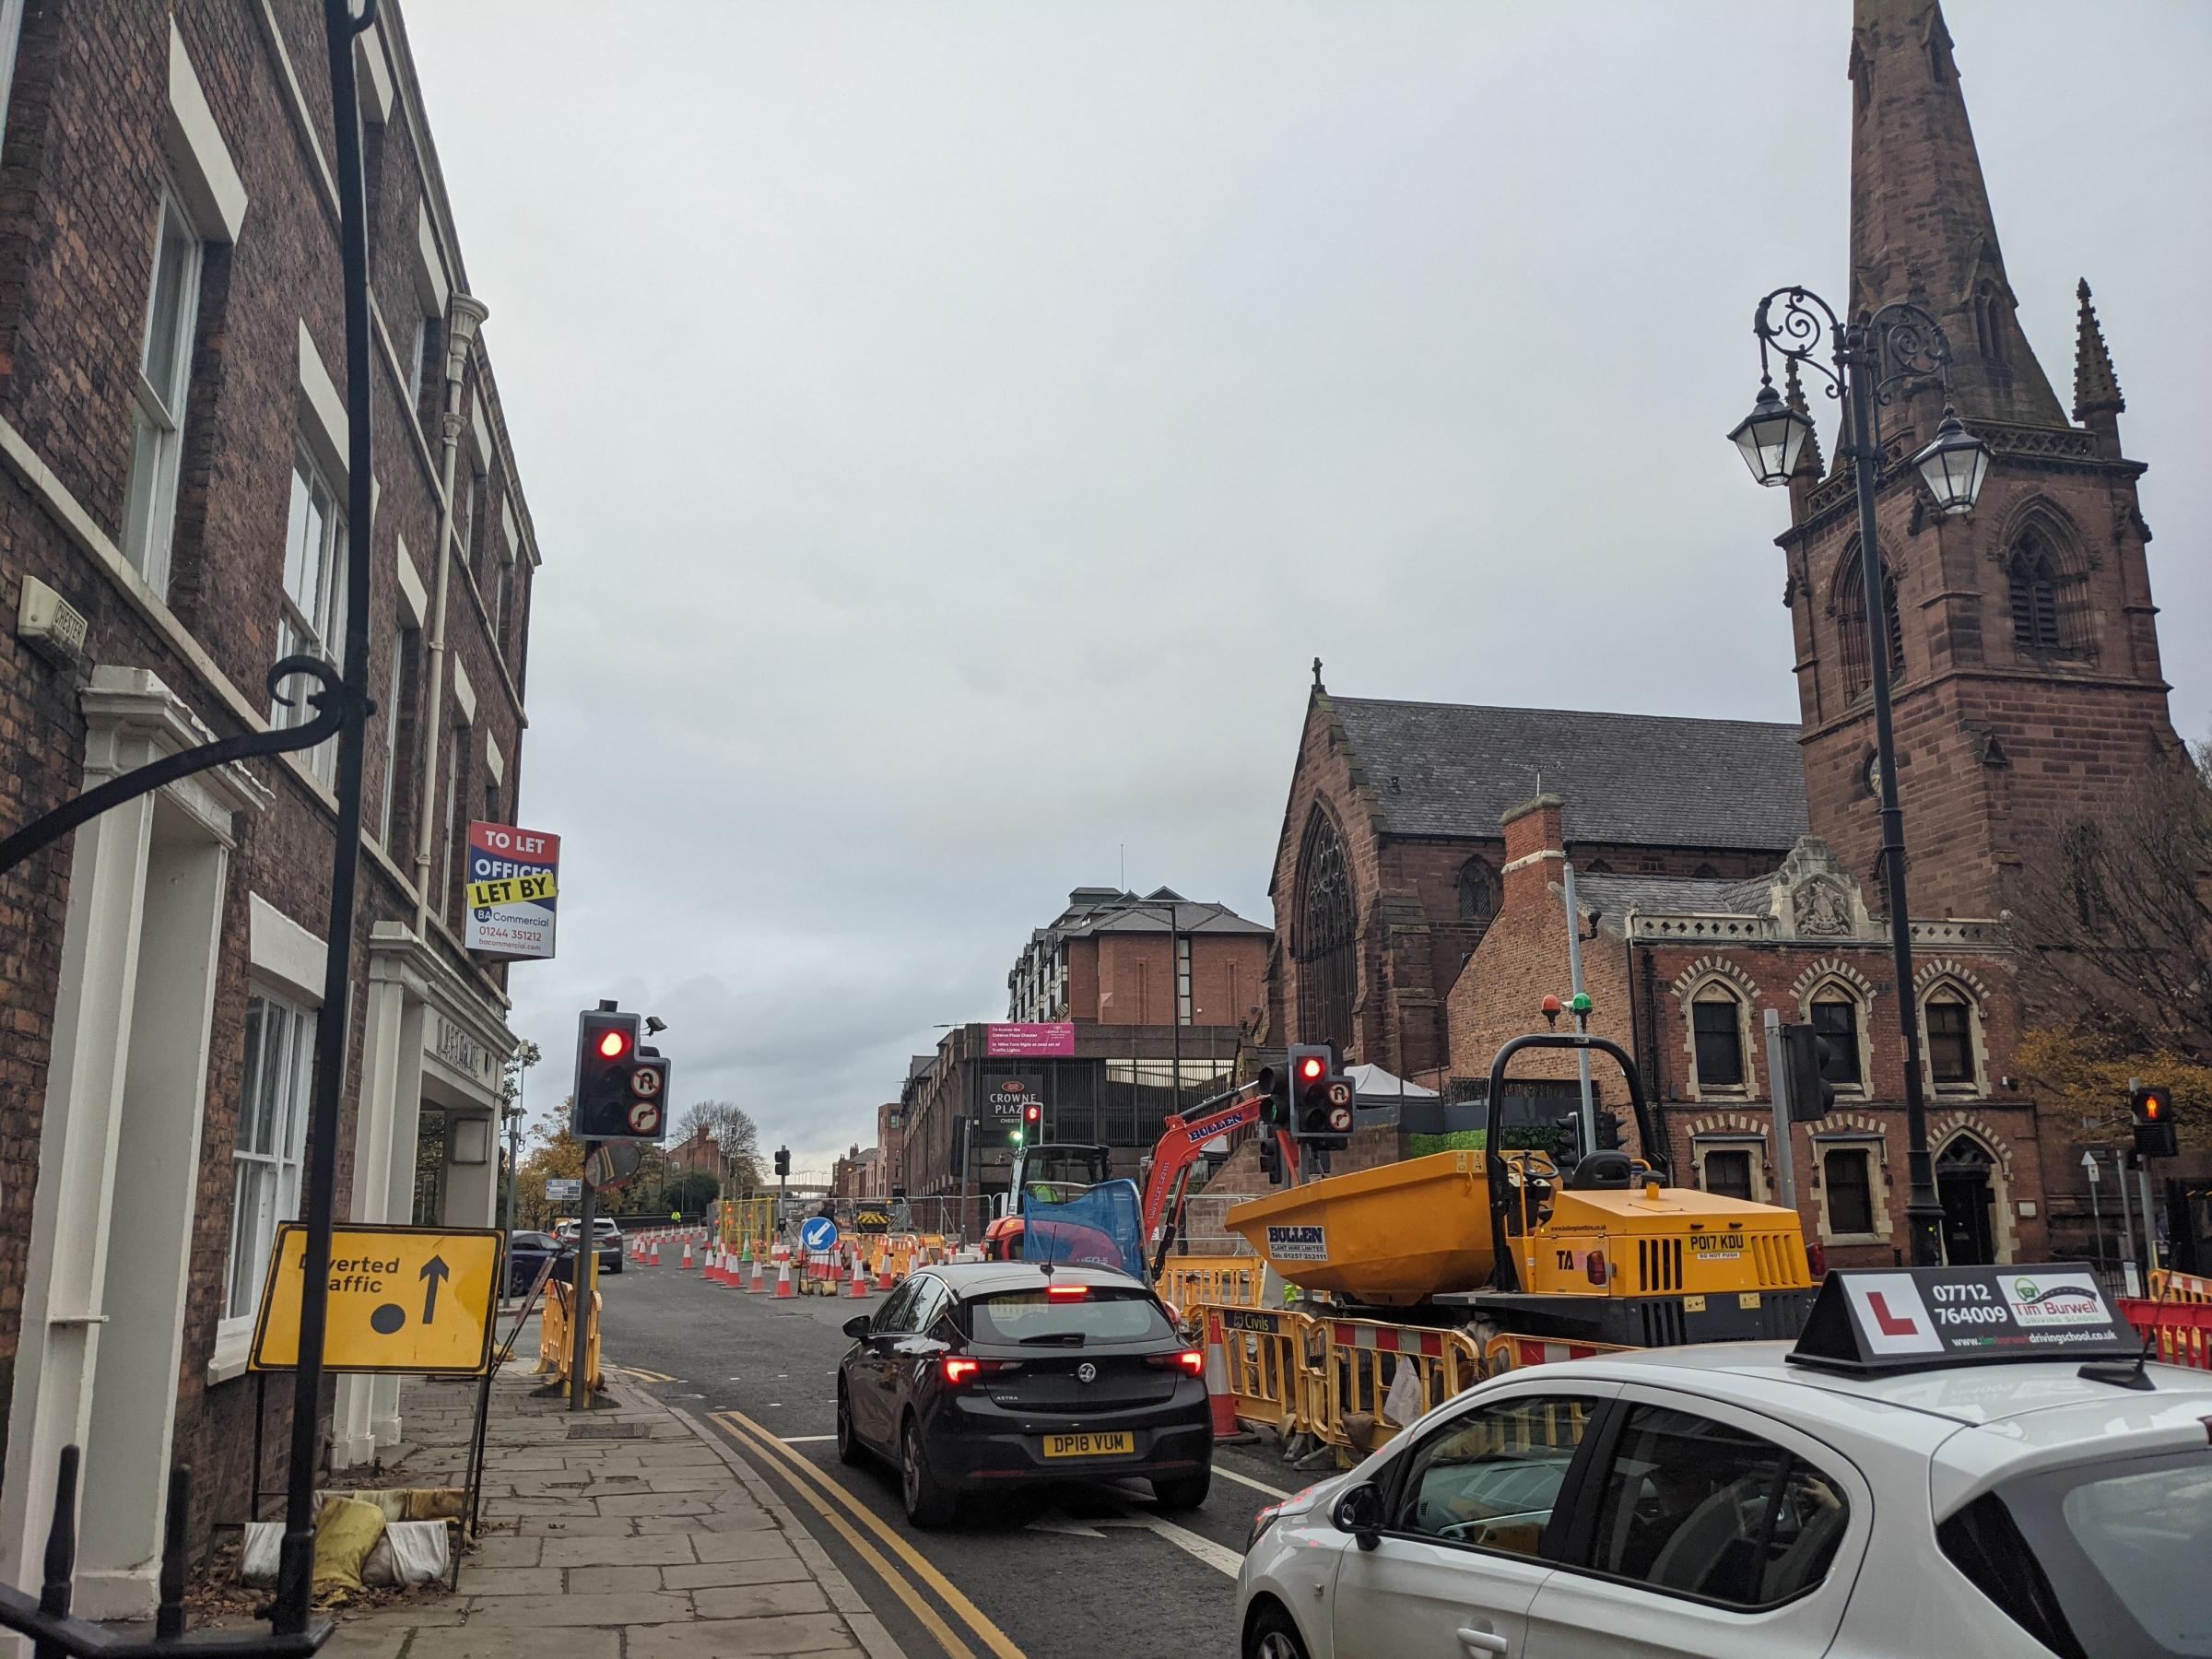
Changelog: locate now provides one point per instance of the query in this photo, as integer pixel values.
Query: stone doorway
(1964, 1184)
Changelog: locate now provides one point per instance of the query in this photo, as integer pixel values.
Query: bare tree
(737, 1139)
(2114, 919)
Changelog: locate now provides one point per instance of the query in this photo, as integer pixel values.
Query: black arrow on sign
(437, 1272)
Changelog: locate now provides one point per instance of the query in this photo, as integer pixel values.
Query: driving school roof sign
(417, 1299)
(513, 883)
(1910, 1318)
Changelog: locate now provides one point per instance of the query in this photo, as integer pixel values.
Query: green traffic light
(1017, 1137)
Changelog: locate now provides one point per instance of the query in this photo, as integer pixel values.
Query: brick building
(2027, 697)
(1114, 958)
(1682, 970)
(891, 1141)
(172, 465)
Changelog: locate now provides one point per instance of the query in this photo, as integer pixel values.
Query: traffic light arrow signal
(434, 1272)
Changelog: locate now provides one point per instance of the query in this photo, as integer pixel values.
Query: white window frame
(415, 356)
(157, 412)
(279, 1162)
(455, 748)
(299, 632)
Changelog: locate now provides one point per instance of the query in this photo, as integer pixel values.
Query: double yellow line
(812, 1486)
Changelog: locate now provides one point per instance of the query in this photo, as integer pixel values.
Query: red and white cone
(714, 1272)
(1219, 1397)
(757, 1282)
(655, 1261)
(685, 1263)
(860, 1276)
(784, 1285)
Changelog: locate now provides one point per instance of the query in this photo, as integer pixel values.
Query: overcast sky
(951, 429)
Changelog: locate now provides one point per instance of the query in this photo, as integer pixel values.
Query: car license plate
(1088, 1445)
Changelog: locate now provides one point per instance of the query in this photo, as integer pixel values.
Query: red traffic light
(614, 1043)
(1311, 1068)
(1032, 1113)
(2154, 1107)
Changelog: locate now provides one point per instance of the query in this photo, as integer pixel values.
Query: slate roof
(1614, 895)
(1649, 779)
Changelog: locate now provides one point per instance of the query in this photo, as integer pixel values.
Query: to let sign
(402, 1298)
(514, 882)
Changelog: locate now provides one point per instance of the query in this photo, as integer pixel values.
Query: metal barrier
(1389, 1374)
(2180, 1330)
(2168, 1285)
(1265, 1354)
(1504, 1353)
(1215, 1281)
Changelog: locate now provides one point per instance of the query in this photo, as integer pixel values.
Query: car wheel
(929, 1503)
(1186, 1492)
(1271, 1635)
(849, 1450)
(616, 1268)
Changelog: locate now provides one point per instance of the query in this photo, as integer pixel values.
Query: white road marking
(1257, 1485)
(805, 1440)
(1061, 1523)
(1224, 1560)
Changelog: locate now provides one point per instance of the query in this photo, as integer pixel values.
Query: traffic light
(1803, 1087)
(1320, 1101)
(1029, 1124)
(782, 1162)
(1271, 1158)
(1273, 1084)
(2150, 1109)
(621, 1088)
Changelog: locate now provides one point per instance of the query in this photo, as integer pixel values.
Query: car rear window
(1032, 1316)
(2103, 1558)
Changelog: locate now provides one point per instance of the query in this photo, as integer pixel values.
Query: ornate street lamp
(1875, 359)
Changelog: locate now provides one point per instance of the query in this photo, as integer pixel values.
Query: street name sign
(413, 1299)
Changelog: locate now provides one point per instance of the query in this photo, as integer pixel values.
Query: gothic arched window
(2033, 574)
(1850, 615)
(1323, 938)
(1478, 892)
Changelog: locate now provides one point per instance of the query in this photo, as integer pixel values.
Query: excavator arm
(1167, 1176)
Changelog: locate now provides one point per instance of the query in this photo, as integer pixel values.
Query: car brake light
(957, 1369)
(1067, 1293)
(1190, 1360)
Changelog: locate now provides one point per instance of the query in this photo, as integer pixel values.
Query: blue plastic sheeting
(1101, 1227)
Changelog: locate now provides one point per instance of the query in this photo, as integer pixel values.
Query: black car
(527, 1251)
(993, 1374)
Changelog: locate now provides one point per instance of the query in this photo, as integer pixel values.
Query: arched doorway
(1964, 1182)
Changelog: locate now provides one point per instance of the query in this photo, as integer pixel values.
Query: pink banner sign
(1053, 1039)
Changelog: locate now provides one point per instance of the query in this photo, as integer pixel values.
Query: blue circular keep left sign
(819, 1233)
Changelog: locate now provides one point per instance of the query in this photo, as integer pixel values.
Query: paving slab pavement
(625, 1531)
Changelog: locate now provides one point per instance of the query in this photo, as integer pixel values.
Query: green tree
(549, 1152)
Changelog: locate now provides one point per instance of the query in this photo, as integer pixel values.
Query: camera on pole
(621, 1088)
(1321, 1097)
(2150, 1111)
(1804, 1087)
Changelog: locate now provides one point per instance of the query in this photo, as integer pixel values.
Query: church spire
(2097, 399)
(1921, 225)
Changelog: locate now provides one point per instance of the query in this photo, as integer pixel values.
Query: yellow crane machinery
(1504, 1240)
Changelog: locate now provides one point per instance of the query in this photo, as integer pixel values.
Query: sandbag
(410, 1552)
(257, 1559)
(346, 1531)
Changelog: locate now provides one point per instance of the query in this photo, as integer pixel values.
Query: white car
(1722, 1502)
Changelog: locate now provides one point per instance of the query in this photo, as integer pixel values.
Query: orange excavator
(1167, 1170)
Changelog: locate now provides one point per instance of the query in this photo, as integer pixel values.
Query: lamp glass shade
(1771, 437)
(1954, 467)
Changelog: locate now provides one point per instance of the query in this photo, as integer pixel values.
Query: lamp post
(1897, 350)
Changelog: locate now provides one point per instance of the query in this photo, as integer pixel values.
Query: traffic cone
(711, 1266)
(757, 1282)
(784, 1285)
(1223, 1403)
(685, 1263)
(860, 1276)
(655, 1261)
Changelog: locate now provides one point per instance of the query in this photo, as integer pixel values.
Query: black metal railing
(54, 1632)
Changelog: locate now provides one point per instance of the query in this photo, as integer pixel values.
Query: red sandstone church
(1726, 866)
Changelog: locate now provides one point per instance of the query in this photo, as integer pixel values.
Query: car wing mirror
(857, 1327)
(1359, 1512)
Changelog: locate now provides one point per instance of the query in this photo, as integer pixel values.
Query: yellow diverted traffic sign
(420, 1300)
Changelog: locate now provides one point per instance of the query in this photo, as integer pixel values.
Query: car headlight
(1298, 1503)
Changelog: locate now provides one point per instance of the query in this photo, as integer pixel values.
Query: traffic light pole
(1786, 1150)
(585, 1283)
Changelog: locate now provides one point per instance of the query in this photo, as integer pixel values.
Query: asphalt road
(1073, 1571)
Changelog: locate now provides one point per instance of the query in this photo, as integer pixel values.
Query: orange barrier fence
(2179, 1332)
(2166, 1284)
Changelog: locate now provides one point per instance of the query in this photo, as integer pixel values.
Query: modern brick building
(2028, 695)
(1114, 958)
(172, 465)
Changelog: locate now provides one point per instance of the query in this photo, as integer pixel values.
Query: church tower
(2022, 637)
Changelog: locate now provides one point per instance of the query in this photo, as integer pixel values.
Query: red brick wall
(80, 175)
